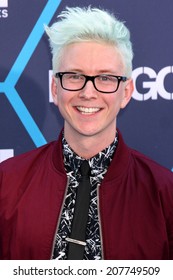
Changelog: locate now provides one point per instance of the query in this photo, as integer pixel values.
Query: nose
(88, 91)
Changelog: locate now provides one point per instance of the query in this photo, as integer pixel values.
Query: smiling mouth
(88, 110)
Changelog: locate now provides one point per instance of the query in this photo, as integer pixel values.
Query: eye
(106, 78)
(103, 78)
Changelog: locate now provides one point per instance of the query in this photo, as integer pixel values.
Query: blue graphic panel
(8, 87)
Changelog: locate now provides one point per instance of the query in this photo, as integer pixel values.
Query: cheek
(62, 100)
(114, 102)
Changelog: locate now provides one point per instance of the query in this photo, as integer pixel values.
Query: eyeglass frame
(92, 79)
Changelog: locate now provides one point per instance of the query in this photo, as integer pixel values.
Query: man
(130, 212)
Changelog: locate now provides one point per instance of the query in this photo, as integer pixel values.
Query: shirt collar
(98, 163)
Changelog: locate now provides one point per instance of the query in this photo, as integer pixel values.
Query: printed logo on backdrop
(148, 84)
(5, 154)
(152, 85)
(50, 81)
(3, 9)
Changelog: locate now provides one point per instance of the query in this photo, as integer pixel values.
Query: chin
(89, 133)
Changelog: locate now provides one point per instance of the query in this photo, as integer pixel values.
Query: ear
(54, 91)
(128, 90)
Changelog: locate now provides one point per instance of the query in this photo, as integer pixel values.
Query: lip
(88, 110)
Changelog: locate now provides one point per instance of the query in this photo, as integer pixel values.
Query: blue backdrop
(28, 117)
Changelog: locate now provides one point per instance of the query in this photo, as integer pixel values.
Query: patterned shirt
(99, 165)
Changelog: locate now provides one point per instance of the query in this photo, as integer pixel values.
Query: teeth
(86, 110)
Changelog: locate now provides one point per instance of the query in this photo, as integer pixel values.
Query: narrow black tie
(77, 239)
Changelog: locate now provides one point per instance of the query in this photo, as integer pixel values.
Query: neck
(88, 146)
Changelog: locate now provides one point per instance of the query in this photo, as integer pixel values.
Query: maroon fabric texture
(135, 205)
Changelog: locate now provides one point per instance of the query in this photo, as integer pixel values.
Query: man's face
(88, 112)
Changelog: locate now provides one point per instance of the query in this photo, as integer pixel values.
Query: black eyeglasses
(103, 83)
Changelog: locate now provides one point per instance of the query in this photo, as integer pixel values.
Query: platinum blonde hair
(89, 24)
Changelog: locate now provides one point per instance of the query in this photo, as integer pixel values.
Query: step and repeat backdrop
(29, 119)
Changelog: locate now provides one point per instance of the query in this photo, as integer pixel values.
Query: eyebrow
(103, 71)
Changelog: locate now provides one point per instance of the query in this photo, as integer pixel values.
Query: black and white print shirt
(99, 165)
